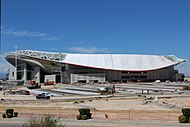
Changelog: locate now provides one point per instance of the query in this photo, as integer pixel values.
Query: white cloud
(51, 38)
(4, 65)
(23, 33)
(89, 50)
(14, 32)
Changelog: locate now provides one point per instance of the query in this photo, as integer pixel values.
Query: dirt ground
(102, 107)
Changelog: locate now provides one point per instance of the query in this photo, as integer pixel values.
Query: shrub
(84, 117)
(4, 115)
(186, 112)
(84, 111)
(84, 114)
(15, 114)
(9, 113)
(183, 119)
(46, 120)
(89, 115)
(75, 102)
(186, 88)
(79, 117)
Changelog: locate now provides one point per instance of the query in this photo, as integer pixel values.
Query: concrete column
(38, 74)
(25, 73)
(61, 73)
(15, 73)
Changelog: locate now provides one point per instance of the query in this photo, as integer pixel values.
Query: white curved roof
(125, 62)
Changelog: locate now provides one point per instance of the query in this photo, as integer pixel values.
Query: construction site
(116, 104)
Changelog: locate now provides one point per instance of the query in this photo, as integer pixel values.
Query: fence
(163, 115)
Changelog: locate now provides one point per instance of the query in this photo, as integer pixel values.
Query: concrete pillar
(24, 66)
(25, 73)
(61, 73)
(38, 74)
(15, 73)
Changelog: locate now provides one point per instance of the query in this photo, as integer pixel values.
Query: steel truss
(39, 54)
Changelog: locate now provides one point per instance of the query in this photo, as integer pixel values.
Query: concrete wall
(187, 79)
(87, 77)
(179, 77)
(113, 76)
(117, 76)
(11, 74)
(162, 74)
(22, 70)
(50, 78)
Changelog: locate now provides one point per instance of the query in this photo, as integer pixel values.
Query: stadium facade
(92, 68)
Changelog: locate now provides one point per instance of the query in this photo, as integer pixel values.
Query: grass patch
(46, 120)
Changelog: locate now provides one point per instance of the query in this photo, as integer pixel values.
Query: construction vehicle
(107, 90)
(33, 85)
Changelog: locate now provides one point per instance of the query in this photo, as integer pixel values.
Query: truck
(33, 85)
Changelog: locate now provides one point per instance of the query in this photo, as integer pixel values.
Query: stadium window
(125, 72)
(134, 77)
(81, 81)
(125, 77)
(143, 77)
(63, 68)
(136, 72)
(95, 81)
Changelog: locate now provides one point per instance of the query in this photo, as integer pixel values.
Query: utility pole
(15, 62)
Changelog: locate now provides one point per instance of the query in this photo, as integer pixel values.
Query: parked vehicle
(33, 85)
(26, 92)
(49, 83)
(43, 96)
(48, 94)
(106, 90)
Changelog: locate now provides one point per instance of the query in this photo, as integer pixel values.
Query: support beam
(25, 73)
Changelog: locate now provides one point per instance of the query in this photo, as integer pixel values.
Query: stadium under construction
(92, 68)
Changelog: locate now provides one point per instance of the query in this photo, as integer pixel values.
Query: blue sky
(97, 26)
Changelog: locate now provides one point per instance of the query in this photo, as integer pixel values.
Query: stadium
(92, 68)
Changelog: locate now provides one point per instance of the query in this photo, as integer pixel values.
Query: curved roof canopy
(123, 62)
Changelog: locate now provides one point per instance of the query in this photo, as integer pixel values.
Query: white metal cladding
(128, 62)
(122, 61)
